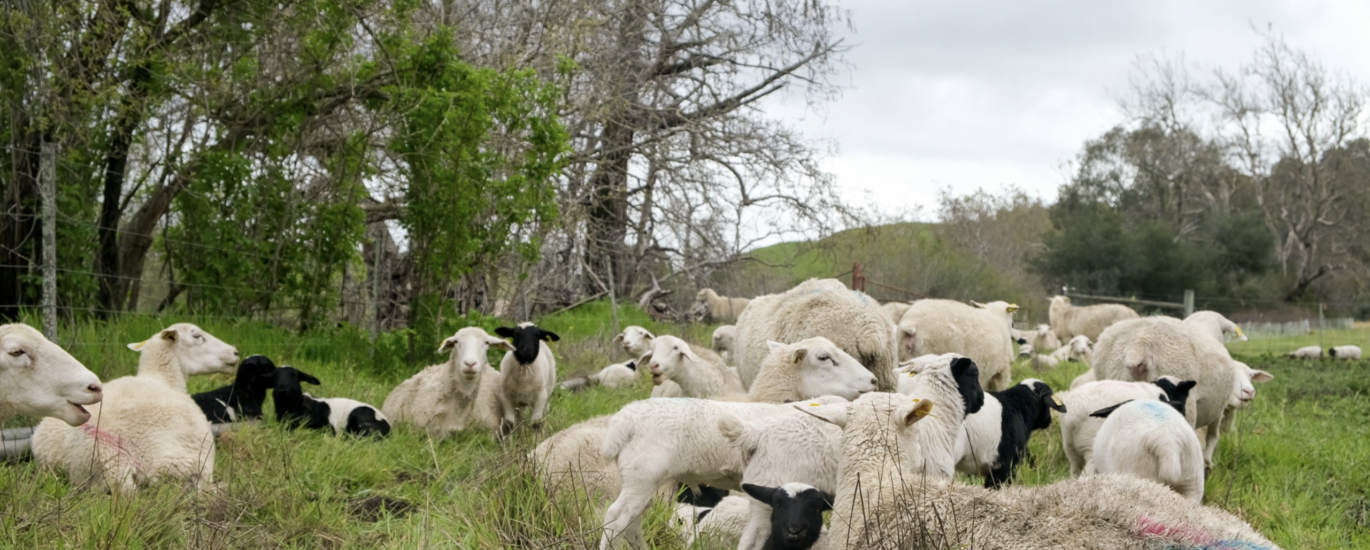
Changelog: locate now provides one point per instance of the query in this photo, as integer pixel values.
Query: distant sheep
(612, 376)
(935, 327)
(710, 307)
(528, 373)
(818, 307)
(1345, 353)
(1078, 349)
(636, 342)
(149, 429)
(1150, 440)
(1306, 352)
(449, 397)
(1044, 339)
(39, 378)
(724, 340)
(241, 400)
(1067, 321)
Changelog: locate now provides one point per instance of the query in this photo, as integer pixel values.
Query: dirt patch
(371, 509)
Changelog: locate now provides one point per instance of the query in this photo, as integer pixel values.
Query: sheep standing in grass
(1067, 321)
(449, 397)
(241, 400)
(1151, 440)
(39, 378)
(147, 428)
(528, 373)
(1078, 428)
(883, 504)
(818, 307)
(1344, 353)
(710, 307)
(944, 326)
(724, 340)
(997, 435)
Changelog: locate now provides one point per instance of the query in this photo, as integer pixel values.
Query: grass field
(1295, 467)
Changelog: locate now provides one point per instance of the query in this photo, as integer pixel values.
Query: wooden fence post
(857, 281)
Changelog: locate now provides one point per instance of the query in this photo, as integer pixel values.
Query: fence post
(857, 281)
(1188, 302)
(47, 176)
(376, 252)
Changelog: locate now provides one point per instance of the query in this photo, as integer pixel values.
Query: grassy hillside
(1295, 467)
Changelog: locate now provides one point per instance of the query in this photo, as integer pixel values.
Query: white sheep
(147, 428)
(1067, 320)
(528, 373)
(818, 307)
(944, 326)
(999, 308)
(724, 340)
(895, 310)
(1214, 324)
(1077, 349)
(711, 307)
(1151, 440)
(612, 376)
(448, 397)
(636, 342)
(39, 378)
(699, 372)
(1306, 352)
(1344, 353)
(1078, 428)
(882, 503)
(1044, 339)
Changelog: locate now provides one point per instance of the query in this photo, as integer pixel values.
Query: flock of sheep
(815, 399)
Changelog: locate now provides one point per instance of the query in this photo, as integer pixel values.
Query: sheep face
(39, 378)
(527, 339)
(699, 311)
(469, 349)
(636, 341)
(253, 371)
(1243, 389)
(963, 370)
(286, 392)
(824, 369)
(1049, 403)
(199, 352)
(667, 357)
(362, 421)
(796, 511)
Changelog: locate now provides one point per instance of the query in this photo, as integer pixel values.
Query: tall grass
(1295, 467)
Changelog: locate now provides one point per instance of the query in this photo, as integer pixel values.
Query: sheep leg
(540, 407)
(758, 527)
(623, 519)
(1211, 445)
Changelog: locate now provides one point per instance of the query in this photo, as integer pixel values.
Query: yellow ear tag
(1057, 400)
(813, 404)
(137, 345)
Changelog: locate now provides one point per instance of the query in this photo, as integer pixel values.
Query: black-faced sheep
(241, 400)
(528, 373)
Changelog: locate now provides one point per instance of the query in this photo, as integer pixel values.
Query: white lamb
(39, 378)
(449, 397)
(720, 525)
(1344, 353)
(711, 307)
(1044, 339)
(1078, 428)
(1306, 352)
(1078, 348)
(1150, 440)
(147, 428)
(699, 372)
(1067, 320)
(724, 340)
(612, 376)
(881, 504)
(528, 373)
(636, 342)
(944, 326)
(818, 307)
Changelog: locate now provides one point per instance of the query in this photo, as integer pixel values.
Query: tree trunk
(19, 225)
(608, 223)
(114, 279)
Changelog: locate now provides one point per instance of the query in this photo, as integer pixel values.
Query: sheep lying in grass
(1344, 353)
(710, 307)
(1151, 440)
(241, 400)
(147, 428)
(796, 520)
(612, 376)
(1077, 349)
(1078, 428)
(810, 367)
(294, 407)
(1306, 352)
(39, 378)
(449, 397)
(818, 307)
(881, 504)
(1067, 321)
(1044, 339)
(724, 340)
(636, 342)
(528, 373)
(945, 326)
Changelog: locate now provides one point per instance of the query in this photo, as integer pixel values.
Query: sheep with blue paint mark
(1150, 440)
(1078, 428)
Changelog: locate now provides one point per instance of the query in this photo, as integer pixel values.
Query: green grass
(1295, 467)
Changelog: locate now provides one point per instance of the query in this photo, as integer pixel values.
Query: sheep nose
(95, 388)
(471, 364)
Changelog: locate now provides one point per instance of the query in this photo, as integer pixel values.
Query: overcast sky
(984, 94)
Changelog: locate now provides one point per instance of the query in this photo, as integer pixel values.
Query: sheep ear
(169, 335)
(646, 359)
(308, 378)
(500, 344)
(1055, 403)
(920, 409)
(649, 334)
(618, 338)
(773, 345)
(1261, 376)
(447, 344)
(550, 336)
(834, 414)
(908, 337)
(1238, 329)
(799, 354)
(1185, 385)
(1012, 308)
(758, 492)
(504, 332)
(137, 346)
(977, 304)
(1104, 412)
(827, 500)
